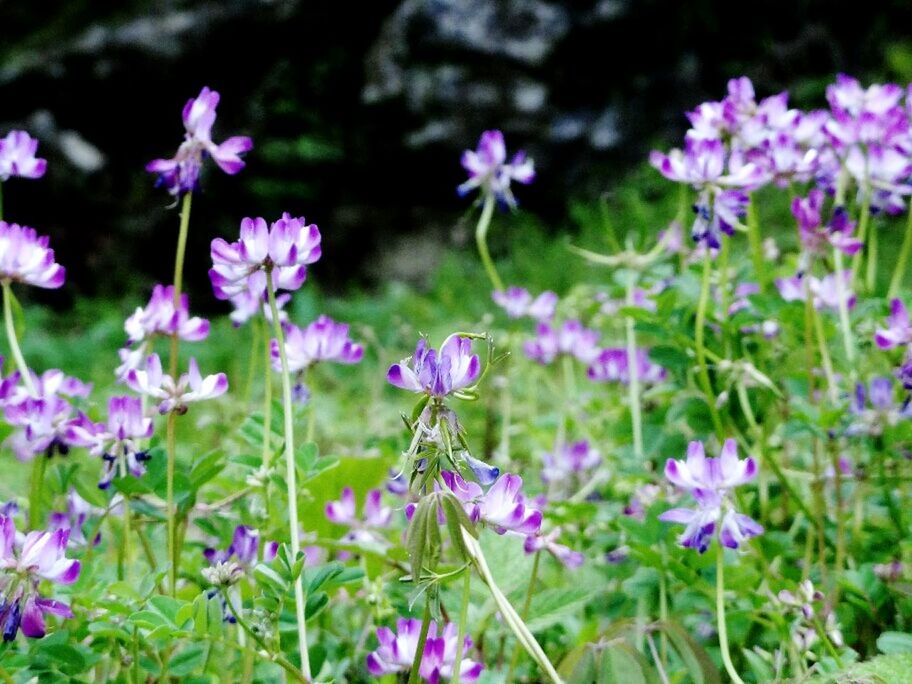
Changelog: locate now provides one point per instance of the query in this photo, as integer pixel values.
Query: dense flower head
(396, 652)
(160, 317)
(322, 340)
(816, 237)
(285, 248)
(437, 374)
(180, 174)
(613, 365)
(26, 258)
(824, 291)
(569, 460)
(874, 408)
(244, 549)
(17, 157)
(898, 331)
(488, 168)
(175, 395)
(570, 338)
(41, 556)
(503, 506)
(517, 302)
(710, 481)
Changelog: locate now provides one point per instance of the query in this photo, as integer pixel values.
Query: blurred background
(359, 112)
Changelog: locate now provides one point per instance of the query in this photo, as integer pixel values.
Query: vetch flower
(181, 173)
(396, 652)
(17, 157)
(175, 396)
(74, 520)
(503, 506)
(244, 549)
(26, 258)
(248, 303)
(570, 338)
(815, 236)
(322, 340)
(613, 365)
(42, 557)
(875, 409)
(375, 517)
(548, 542)
(569, 461)
(898, 331)
(454, 368)
(517, 302)
(488, 168)
(160, 317)
(825, 291)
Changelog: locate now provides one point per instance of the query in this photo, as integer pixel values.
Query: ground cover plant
(686, 461)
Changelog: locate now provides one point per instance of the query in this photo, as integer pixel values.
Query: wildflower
(815, 237)
(74, 520)
(376, 516)
(248, 303)
(503, 506)
(517, 302)
(181, 173)
(876, 409)
(26, 258)
(438, 375)
(808, 605)
(488, 168)
(397, 652)
(825, 291)
(40, 558)
(613, 365)
(244, 549)
(571, 338)
(548, 542)
(710, 482)
(643, 497)
(174, 396)
(160, 317)
(322, 340)
(285, 249)
(899, 330)
(17, 157)
(569, 461)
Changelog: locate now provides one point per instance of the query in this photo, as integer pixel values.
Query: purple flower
(815, 237)
(74, 520)
(517, 302)
(181, 173)
(26, 258)
(249, 303)
(569, 461)
(548, 542)
(244, 549)
(159, 317)
(17, 157)
(285, 248)
(322, 340)
(438, 375)
(396, 652)
(825, 291)
(875, 409)
(613, 365)
(570, 338)
(117, 442)
(42, 557)
(375, 516)
(174, 396)
(503, 506)
(898, 331)
(710, 481)
(488, 168)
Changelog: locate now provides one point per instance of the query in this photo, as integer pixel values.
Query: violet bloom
(899, 330)
(74, 520)
(42, 557)
(248, 303)
(453, 369)
(375, 516)
(488, 168)
(284, 248)
(613, 365)
(117, 442)
(181, 173)
(816, 237)
(569, 461)
(825, 291)
(397, 652)
(17, 157)
(244, 549)
(570, 338)
(503, 506)
(175, 396)
(322, 340)
(517, 302)
(710, 481)
(875, 409)
(548, 542)
(160, 317)
(26, 258)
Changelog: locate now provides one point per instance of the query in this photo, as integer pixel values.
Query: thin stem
(256, 327)
(524, 613)
(699, 333)
(863, 220)
(36, 515)
(422, 640)
(756, 245)
(822, 346)
(481, 239)
(290, 475)
(900, 270)
(659, 662)
(633, 373)
(13, 341)
(267, 416)
(847, 339)
(828, 644)
(871, 265)
(171, 445)
(720, 616)
(311, 407)
(463, 620)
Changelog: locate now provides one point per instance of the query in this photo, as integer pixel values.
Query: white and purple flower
(322, 340)
(613, 365)
(488, 168)
(517, 302)
(898, 331)
(160, 317)
(26, 258)
(375, 517)
(453, 369)
(17, 157)
(570, 338)
(175, 395)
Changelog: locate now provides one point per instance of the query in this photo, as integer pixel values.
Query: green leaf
(697, 661)
(187, 660)
(417, 536)
(267, 577)
(167, 607)
(322, 575)
(550, 606)
(578, 666)
(205, 469)
(621, 663)
(891, 643)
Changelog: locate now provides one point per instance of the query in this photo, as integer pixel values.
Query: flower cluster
(25, 257)
(488, 168)
(362, 530)
(17, 157)
(397, 652)
(437, 374)
(517, 302)
(175, 395)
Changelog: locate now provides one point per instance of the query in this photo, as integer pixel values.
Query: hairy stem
(524, 613)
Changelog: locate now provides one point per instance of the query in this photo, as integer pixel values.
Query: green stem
(13, 341)
(756, 246)
(863, 220)
(36, 515)
(171, 445)
(256, 327)
(824, 352)
(290, 475)
(267, 416)
(422, 640)
(633, 372)
(481, 239)
(900, 270)
(871, 265)
(825, 638)
(699, 333)
(311, 407)
(848, 340)
(463, 620)
(524, 613)
(720, 616)
(179, 274)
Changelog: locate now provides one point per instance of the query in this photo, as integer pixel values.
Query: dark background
(359, 110)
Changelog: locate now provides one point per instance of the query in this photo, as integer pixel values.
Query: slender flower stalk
(415, 673)
(24, 371)
(699, 333)
(171, 447)
(463, 621)
(900, 270)
(293, 523)
(481, 239)
(633, 386)
(720, 617)
(756, 245)
(848, 340)
(864, 219)
(524, 613)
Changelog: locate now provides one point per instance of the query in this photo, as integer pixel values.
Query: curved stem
(171, 445)
(824, 354)
(422, 640)
(481, 239)
(900, 270)
(13, 342)
(290, 475)
(720, 616)
(847, 340)
(699, 333)
(463, 619)
(863, 220)
(633, 373)
(524, 613)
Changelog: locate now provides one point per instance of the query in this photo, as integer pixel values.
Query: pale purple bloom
(396, 652)
(817, 237)
(74, 519)
(244, 549)
(642, 299)
(174, 396)
(453, 369)
(26, 258)
(548, 542)
(322, 340)
(568, 461)
(503, 506)
(285, 248)
(517, 302)
(159, 317)
(118, 441)
(488, 168)
(876, 408)
(643, 497)
(42, 557)
(824, 291)
(613, 365)
(365, 529)
(570, 338)
(181, 173)
(17, 157)
(898, 331)
(43, 418)
(248, 303)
